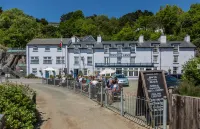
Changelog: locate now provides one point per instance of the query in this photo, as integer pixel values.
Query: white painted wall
(142, 55)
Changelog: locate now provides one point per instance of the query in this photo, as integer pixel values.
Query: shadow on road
(40, 120)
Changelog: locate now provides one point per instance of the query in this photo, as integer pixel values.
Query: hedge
(18, 106)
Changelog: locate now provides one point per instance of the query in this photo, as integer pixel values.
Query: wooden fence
(184, 112)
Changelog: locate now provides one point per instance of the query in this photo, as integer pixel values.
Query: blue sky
(53, 9)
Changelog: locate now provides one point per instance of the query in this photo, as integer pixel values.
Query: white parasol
(49, 69)
(107, 71)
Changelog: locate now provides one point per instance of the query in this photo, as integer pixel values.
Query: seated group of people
(112, 84)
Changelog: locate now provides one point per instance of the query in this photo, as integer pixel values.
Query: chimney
(187, 38)
(141, 39)
(99, 39)
(163, 39)
(73, 38)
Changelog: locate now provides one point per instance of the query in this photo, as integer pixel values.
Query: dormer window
(76, 51)
(35, 49)
(90, 46)
(176, 48)
(77, 46)
(89, 51)
(106, 49)
(156, 48)
(119, 48)
(133, 48)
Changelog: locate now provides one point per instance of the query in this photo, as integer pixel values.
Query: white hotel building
(89, 55)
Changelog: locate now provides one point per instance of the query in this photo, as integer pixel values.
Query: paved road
(63, 109)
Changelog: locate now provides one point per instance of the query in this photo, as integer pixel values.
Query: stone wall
(2, 121)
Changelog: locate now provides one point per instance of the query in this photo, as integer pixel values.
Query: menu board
(152, 86)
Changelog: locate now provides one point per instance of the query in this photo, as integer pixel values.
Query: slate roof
(89, 40)
(127, 44)
(49, 41)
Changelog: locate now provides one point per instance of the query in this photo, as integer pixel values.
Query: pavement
(63, 109)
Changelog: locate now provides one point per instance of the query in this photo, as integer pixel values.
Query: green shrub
(31, 76)
(19, 109)
(189, 89)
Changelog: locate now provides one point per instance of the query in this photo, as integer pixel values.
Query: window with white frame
(76, 60)
(135, 72)
(35, 49)
(155, 68)
(60, 60)
(119, 48)
(47, 49)
(47, 60)
(34, 71)
(106, 49)
(89, 51)
(175, 70)
(155, 48)
(176, 49)
(34, 60)
(76, 51)
(132, 59)
(125, 71)
(155, 59)
(106, 60)
(175, 59)
(119, 59)
(89, 60)
(130, 71)
(141, 69)
(133, 49)
(85, 72)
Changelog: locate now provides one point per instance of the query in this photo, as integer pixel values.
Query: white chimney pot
(187, 38)
(73, 39)
(163, 39)
(141, 39)
(99, 39)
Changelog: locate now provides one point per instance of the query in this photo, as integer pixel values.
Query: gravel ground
(63, 109)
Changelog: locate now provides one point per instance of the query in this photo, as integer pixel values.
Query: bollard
(54, 81)
(102, 94)
(122, 103)
(165, 113)
(89, 91)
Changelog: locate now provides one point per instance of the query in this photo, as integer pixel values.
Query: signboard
(120, 55)
(152, 86)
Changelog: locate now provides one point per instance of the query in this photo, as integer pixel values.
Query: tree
(168, 17)
(66, 17)
(1, 10)
(191, 72)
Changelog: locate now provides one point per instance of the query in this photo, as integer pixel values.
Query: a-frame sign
(151, 90)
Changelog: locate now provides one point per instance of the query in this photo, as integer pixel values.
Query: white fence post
(165, 113)
(102, 93)
(122, 102)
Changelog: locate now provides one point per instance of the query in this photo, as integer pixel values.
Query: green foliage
(189, 89)
(31, 76)
(190, 71)
(17, 28)
(19, 109)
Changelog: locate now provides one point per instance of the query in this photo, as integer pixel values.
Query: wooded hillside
(17, 28)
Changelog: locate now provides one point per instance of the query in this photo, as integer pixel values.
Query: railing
(129, 106)
(13, 50)
(124, 65)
